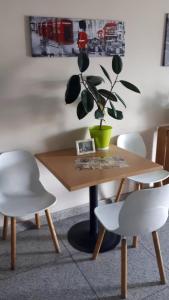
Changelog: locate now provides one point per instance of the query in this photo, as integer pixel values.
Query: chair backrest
(18, 172)
(132, 142)
(144, 211)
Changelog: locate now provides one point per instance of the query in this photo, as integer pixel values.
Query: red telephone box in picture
(39, 29)
(66, 32)
(63, 31)
(44, 29)
(56, 25)
(50, 32)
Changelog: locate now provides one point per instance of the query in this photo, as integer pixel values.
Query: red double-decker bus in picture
(109, 28)
(100, 34)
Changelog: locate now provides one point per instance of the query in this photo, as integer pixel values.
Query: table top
(62, 164)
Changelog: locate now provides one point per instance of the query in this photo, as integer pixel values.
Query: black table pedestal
(83, 235)
(80, 238)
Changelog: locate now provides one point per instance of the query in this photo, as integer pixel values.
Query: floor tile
(104, 273)
(43, 274)
(40, 272)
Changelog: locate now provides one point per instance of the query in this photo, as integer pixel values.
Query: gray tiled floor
(42, 274)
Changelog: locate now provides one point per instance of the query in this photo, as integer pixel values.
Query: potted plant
(99, 99)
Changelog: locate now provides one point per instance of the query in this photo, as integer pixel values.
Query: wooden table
(62, 164)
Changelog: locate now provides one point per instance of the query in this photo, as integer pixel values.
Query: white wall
(33, 114)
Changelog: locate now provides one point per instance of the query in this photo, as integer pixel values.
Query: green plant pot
(101, 136)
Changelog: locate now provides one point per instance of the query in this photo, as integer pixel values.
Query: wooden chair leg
(52, 230)
(135, 241)
(13, 243)
(135, 238)
(99, 242)
(123, 268)
(120, 190)
(138, 186)
(5, 228)
(159, 257)
(37, 220)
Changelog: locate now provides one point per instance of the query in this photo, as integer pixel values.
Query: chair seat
(108, 215)
(150, 177)
(20, 205)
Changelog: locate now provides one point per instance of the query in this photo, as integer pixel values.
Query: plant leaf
(81, 112)
(98, 97)
(120, 99)
(73, 89)
(83, 61)
(93, 91)
(116, 114)
(106, 73)
(94, 80)
(107, 94)
(99, 114)
(101, 102)
(87, 100)
(117, 64)
(119, 114)
(130, 86)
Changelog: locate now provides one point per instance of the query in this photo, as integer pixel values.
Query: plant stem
(112, 86)
(114, 83)
(87, 88)
(101, 121)
(94, 97)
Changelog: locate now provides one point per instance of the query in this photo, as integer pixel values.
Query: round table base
(80, 238)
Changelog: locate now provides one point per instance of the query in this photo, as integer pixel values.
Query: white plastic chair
(144, 211)
(21, 194)
(134, 143)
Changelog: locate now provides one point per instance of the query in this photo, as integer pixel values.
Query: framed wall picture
(56, 37)
(166, 43)
(85, 146)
